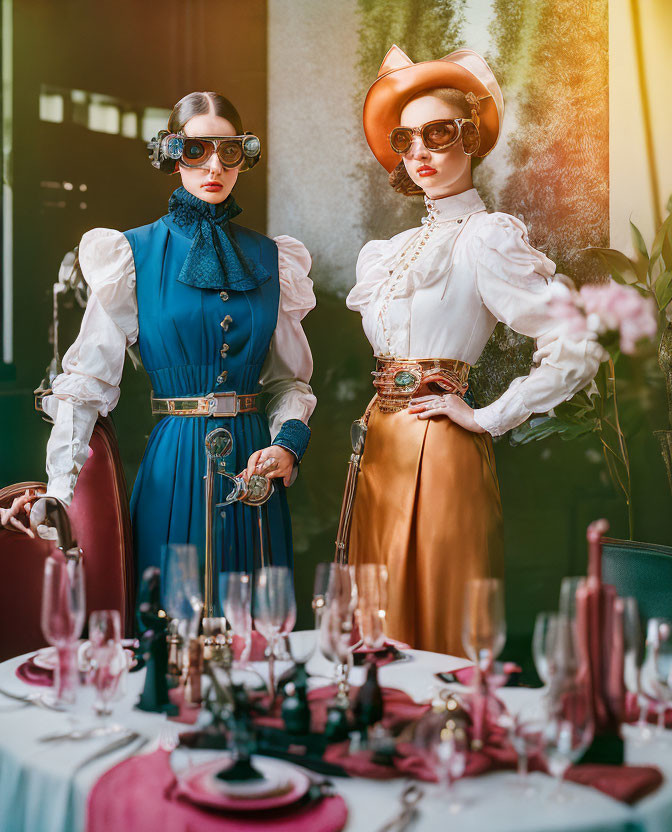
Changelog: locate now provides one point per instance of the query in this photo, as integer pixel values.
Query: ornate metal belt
(398, 379)
(214, 404)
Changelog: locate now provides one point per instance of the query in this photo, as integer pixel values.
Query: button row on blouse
(228, 320)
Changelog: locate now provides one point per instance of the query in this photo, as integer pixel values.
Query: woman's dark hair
(201, 103)
(399, 179)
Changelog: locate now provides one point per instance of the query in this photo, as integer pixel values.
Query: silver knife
(122, 742)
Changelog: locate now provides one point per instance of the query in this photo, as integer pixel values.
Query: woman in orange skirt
(427, 501)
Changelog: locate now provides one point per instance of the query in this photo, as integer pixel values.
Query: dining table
(44, 785)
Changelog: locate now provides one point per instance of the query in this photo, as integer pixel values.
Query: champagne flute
(484, 624)
(108, 657)
(274, 609)
(371, 579)
(62, 618)
(235, 593)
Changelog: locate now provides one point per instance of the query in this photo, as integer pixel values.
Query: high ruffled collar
(453, 207)
(215, 259)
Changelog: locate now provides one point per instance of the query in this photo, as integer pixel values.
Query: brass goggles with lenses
(195, 151)
(438, 135)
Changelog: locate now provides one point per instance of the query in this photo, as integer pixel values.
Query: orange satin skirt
(428, 506)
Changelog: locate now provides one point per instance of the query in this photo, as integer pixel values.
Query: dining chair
(640, 570)
(101, 524)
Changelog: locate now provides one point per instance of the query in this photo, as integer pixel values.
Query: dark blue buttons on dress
(225, 323)
(224, 296)
(222, 377)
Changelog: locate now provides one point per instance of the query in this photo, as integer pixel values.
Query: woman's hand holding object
(274, 462)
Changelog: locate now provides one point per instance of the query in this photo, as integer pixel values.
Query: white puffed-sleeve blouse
(92, 367)
(438, 291)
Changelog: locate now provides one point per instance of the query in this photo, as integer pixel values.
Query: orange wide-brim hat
(399, 80)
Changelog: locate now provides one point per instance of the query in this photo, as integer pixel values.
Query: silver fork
(410, 797)
(33, 699)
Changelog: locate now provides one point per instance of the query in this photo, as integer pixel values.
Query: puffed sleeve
(514, 281)
(288, 367)
(92, 367)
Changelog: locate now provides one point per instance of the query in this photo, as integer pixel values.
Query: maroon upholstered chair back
(101, 525)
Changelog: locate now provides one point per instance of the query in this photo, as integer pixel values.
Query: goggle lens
(196, 152)
(400, 139)
(230, 154)
(438, 135)
(471, 138)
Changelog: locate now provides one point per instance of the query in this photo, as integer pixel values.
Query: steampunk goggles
(195, 151)
(438, 135)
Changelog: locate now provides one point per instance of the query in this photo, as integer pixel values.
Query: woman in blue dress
(216, 310)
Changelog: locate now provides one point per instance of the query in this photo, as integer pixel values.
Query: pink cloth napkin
(137, 795)
(625, 783)
(32, 674)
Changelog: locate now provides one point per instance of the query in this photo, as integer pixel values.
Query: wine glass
(568, 588)
(656, 672)
(633, 649)
(568, 722)
(337, 624)
(62, 619)
(445, 746)
(542, 642)
(181, 584)
(274, 609)
(107, 657)
(484, 624)
(235, 594)
(524, 725)
(320, 589)
(371, 579)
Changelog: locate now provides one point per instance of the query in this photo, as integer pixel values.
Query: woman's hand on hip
(448, 404)
(274, 462)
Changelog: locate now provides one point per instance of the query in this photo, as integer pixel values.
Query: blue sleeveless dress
(180, 340)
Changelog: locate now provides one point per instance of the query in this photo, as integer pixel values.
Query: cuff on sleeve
(503, 414)
(62, 486)
(294, 435)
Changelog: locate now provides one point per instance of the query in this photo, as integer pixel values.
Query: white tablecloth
(39, 793)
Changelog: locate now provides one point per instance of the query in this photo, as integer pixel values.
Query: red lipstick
(213, 187)
(425, 170)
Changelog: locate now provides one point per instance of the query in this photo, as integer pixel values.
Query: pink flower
(565, 305)
(611, 307)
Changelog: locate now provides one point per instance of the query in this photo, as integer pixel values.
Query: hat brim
(389, 93)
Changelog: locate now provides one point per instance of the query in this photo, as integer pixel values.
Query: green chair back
(640, 570)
